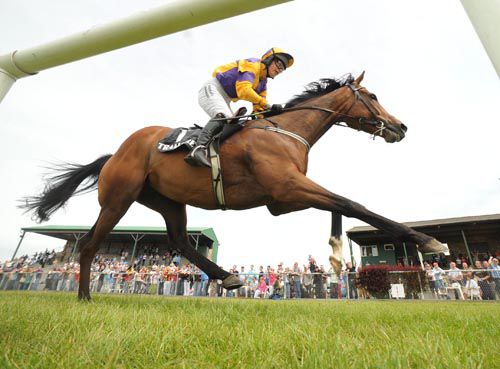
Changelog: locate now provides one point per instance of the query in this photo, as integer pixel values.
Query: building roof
(436, 222)
(120, 233)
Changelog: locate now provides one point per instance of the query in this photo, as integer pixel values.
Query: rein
(379, 124)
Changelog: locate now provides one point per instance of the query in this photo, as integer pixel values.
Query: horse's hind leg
(174, 214)
(108, 218)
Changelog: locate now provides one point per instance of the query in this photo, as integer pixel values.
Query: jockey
(244, 79)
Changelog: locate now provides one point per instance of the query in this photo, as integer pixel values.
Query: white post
(169, 18)
(6, 82)
(485, 17)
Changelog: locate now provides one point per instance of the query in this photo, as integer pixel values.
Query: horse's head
(365, 113)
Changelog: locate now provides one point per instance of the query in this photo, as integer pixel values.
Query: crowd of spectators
(481, 281)
(165, 275)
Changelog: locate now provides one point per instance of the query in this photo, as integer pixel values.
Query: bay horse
(260, 168)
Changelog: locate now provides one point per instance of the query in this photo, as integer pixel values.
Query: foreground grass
(53, 330)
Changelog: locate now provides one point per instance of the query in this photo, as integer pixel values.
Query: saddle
(185, 138)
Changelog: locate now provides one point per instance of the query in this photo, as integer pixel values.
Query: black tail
(61, 186)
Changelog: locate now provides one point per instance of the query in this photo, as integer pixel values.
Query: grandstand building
(474, 237)
(133, 240)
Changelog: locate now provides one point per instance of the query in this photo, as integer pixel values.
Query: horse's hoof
(433, 246)
(232, 282)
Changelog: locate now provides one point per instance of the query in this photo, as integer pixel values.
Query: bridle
(379, 124)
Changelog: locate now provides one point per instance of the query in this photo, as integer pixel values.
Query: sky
(422, 59)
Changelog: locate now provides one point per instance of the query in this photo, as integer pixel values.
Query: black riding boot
(198, 156)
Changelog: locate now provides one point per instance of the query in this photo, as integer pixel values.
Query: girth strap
(217, 184)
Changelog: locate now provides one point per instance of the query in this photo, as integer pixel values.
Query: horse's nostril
(404, 128)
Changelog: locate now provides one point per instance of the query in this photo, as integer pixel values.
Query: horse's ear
(360, 78)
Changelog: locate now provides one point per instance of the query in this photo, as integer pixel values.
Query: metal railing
(479, 284)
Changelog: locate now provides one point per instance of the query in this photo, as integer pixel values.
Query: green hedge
(377, 279)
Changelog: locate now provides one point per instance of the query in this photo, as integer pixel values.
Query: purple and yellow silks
(244, 80)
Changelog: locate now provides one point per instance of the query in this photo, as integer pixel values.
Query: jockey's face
(275, 68)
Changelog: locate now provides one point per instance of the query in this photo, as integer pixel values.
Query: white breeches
(213, 99)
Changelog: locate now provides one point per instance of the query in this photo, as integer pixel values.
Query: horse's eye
(374, 97)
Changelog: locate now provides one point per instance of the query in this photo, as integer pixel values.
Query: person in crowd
(483, 278)
(220, 288)
(278, 287)
(286, 276)
(184, 275)
(271, 279)
(351, 280)
(24, 278)
(251, 281)
(314, 269)
(333, 284)
(176, 259)
(307, 282)
(471, 288)
(495, 274)
(167, 280)
(195, 280)
(242, 291)
(261, 291)
(296, 278)
(439, 281)
(431, 279)
(154, 279)
(37, 278)
(204, 280)
(212, 288)
(261, 273)
(455, 279)
(319, 282)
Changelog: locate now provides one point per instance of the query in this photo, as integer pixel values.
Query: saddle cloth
(185, 138)
(179, 138)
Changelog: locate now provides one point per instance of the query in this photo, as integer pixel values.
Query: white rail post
(170, 18)
(485, 17)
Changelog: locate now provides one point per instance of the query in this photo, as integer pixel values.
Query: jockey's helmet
(277, 53)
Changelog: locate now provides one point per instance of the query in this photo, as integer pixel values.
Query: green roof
(128, 229)
(66, 231)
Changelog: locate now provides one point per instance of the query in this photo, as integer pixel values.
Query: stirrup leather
(196, 148)
(198, 157)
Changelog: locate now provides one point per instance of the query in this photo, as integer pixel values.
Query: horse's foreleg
(304, 192)
(336, 242)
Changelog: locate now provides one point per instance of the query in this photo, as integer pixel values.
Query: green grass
(54, 330)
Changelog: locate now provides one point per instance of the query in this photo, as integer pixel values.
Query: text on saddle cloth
(185, 138)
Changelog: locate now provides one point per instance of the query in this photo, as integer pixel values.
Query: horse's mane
(319, 88)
